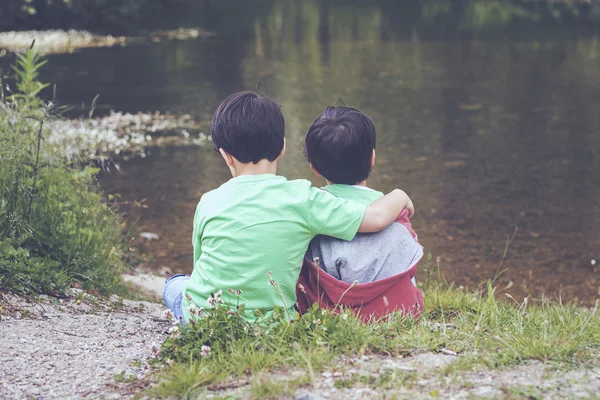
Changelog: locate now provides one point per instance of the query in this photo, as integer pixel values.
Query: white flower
(205, 351)
(174, 331)
(212, 301)
(219, 293)
(168, 315)
(593, 262)
(195, 310)
(345, 316)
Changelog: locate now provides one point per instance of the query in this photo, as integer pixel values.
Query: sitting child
(251, 234)
(340, 146)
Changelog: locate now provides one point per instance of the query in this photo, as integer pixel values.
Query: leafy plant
(54, 224)
(29, 87)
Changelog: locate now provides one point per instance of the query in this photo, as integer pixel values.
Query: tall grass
(54, 225)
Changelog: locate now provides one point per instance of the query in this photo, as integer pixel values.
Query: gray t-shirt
(368, 257)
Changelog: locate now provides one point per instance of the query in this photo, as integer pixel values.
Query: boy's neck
(262, 167)
(363, 183)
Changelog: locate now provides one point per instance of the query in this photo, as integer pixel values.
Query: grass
(486, 333)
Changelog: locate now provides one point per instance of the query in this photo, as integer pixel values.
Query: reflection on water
(488, 119)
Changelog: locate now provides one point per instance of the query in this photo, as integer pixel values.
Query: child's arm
(382, 212)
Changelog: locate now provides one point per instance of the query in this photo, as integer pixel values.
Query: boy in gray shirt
(340, 146)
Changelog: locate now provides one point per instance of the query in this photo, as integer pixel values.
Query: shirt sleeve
(333, 216)
(197, 234)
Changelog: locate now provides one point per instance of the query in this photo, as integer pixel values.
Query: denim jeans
(173, 294)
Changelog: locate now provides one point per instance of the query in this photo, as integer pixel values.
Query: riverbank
(61, 41)
(82, 346)
(78, 346)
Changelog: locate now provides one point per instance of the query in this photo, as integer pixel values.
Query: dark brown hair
(249, 126)
(340, 143)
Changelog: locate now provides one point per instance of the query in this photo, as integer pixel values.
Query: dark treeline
(127, 16)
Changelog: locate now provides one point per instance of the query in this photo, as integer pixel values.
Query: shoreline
(56, 41)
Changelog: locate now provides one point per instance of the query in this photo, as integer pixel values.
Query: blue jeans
(173, 294)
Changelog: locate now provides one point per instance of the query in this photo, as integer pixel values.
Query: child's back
(340, 146)
(254, 229)
(368, 257)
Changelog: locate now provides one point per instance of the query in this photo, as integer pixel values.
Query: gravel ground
(76, 347)
(423, 377)
(80, 348)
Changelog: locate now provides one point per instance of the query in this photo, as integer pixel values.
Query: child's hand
(411, 208)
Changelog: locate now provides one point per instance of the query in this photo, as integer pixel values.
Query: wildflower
(174, 331)
(195, 310)
(593, 262)
(205, 351)
(345, 316)
(219, 294)
(168, 315)
(212, 301)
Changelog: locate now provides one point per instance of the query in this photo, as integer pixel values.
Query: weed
(121, 377)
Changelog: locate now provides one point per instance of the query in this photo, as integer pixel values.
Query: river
(487, 113)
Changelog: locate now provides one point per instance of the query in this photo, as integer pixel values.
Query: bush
(54, 225)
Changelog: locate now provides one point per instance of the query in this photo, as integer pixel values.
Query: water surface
(487, 116)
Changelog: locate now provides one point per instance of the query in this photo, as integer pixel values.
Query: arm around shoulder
(383, 212)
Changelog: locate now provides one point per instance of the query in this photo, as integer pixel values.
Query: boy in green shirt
(251, 234)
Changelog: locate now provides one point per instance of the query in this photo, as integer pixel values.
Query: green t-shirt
(359, 194)
(254, 225)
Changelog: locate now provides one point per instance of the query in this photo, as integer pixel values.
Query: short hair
(340, 143)
(249, 126)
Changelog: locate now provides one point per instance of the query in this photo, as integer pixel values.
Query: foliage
(483, 330)
(117, 15)
(44, 14)
(54, 225)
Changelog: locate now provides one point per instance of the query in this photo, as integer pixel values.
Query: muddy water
(488, 117)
